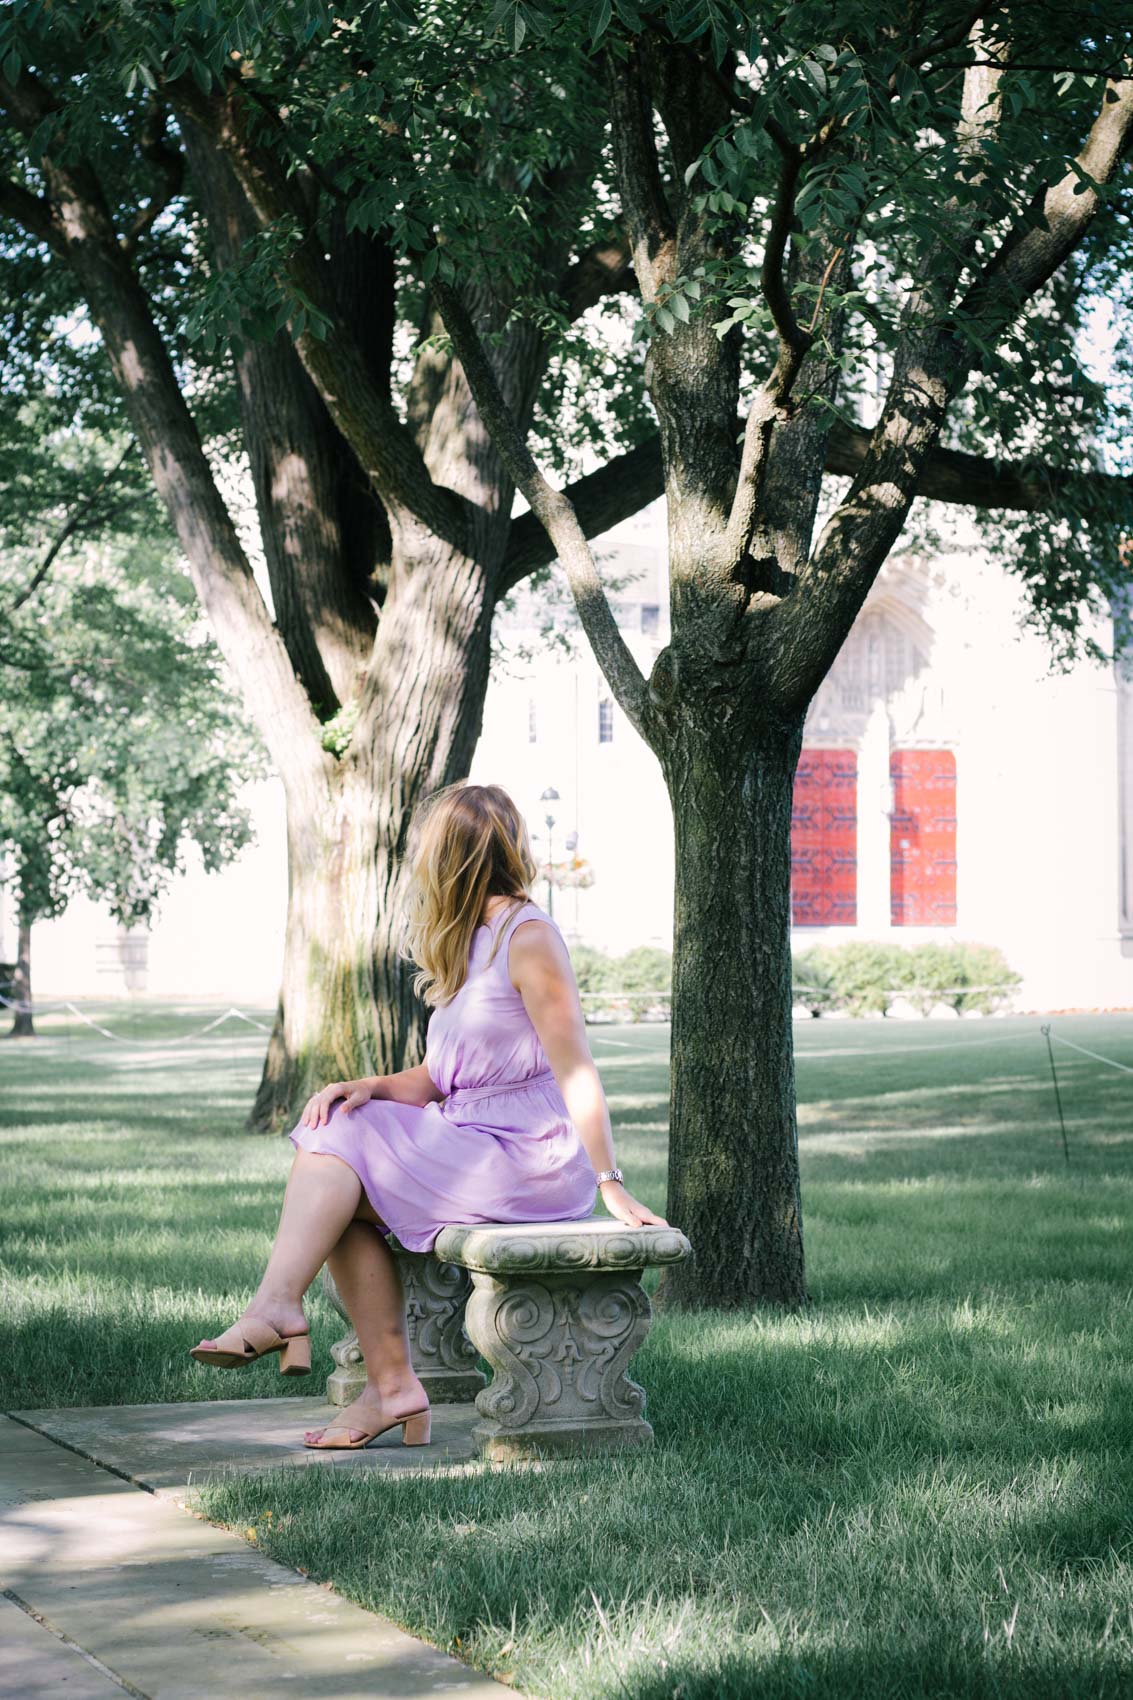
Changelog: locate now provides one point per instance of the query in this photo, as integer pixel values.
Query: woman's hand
(317, 1110)
(625, 1207)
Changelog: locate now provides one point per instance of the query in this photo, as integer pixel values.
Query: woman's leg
(369, 1285)
(322, 1197)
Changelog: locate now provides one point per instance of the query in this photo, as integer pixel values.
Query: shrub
(641, 976)
(593, 969)
(645, 969)
(934, 970)
(813, 980)
(864, 977)
(985, 966)
(867, 975)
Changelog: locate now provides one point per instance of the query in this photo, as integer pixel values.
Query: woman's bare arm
(540, 970)
(409, 1086)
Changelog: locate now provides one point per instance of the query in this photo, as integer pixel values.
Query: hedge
(866, 978)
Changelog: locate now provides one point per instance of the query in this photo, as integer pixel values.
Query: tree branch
(1033, 252)
(770, 406)
(552, 509)
(30, 211)
(170, 442)
(606, 268)
(602, 499)
(169, 164)
(946, 39)
(649, 220)
(624, 486)
(931, 367)
(71, 525)
(383, 444)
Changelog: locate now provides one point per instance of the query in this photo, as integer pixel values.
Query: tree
(808, 197)
(387, 538)
(914, 186)
(118, 741)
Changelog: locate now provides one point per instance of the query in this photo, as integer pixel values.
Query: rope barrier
(232, 1014)
(907, 991)
(1097, 1056)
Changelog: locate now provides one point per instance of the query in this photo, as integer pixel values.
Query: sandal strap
(259, 1337)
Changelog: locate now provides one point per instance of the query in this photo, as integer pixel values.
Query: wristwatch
(609, 1175)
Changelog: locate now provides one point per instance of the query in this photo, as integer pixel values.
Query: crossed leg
(326, 1217)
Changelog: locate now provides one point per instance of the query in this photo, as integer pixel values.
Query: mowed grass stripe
(923, 1487)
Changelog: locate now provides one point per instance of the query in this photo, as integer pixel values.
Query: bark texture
(733, 1170)
(23, 1024)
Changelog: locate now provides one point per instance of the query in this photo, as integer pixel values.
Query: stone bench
(556, 1309)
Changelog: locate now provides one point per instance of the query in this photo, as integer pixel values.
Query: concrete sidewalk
(168, 1448)
(108, 1589)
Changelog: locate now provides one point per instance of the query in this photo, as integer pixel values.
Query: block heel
(295, 1355)
(417, 1430)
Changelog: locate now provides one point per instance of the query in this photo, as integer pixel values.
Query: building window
(532, 722)
(650, 619)
(922, 839)
(605, 721)
(824, 840)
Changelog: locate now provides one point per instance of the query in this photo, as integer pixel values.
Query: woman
(504, 1121)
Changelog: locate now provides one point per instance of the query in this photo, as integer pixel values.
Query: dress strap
(525, 912)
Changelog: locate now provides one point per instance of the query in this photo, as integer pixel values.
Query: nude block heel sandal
(416, 1430)
(250, 1339)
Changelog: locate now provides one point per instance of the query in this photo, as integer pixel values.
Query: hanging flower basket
(575, 871)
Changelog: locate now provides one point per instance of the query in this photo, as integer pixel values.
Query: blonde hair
(467, 843)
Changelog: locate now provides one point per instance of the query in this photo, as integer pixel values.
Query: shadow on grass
(901, 1667)
(836, 1505)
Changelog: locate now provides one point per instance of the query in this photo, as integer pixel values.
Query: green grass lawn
(922, 1487)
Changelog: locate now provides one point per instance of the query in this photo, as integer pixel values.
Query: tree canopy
(119, 744)
(725, 250)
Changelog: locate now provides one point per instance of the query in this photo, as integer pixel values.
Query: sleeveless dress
(500, 1147)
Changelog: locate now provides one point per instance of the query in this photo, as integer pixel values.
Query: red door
(922, 839)
(824, 840)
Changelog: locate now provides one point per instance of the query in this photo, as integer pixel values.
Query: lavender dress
(500, 1148)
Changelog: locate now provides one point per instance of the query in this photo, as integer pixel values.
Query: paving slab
(171, 1448)
(41, 1666)
(162, 1605)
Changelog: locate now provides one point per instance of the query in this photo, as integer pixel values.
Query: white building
(951, 786)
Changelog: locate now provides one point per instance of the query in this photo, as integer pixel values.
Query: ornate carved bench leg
(443, 1356)
(559, 1346)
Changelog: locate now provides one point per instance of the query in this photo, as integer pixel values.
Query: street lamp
(571, 845)
(550, 795)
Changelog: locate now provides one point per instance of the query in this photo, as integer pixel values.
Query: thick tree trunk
(733, 1152)
(347, 1006)
(329, 1024)
(23, 1026)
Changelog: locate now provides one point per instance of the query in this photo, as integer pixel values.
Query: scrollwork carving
(502, 1323)
(442, 1355)
(559, 1348)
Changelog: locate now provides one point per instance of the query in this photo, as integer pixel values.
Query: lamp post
(570, 844)
(550, 795)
